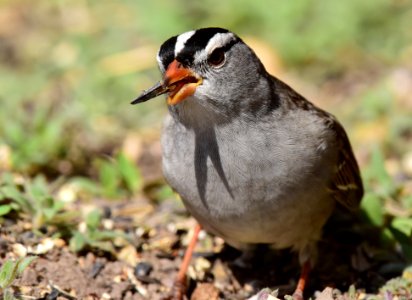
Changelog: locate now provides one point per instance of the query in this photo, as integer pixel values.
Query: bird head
(210, 65)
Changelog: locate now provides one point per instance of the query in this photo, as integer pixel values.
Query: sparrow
(253, 161)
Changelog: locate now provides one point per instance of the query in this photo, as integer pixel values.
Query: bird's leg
(298, 294)
(180, 283)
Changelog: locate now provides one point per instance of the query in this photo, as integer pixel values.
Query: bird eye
(216, 58)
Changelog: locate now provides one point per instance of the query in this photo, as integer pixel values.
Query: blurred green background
(68, 70)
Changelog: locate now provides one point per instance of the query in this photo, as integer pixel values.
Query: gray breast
(244, 181)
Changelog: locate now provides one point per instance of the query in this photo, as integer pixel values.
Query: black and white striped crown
(194, 46)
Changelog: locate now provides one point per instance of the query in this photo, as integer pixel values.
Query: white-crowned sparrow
(253, 161)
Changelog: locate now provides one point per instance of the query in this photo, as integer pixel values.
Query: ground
(351, 259)
(81, 187)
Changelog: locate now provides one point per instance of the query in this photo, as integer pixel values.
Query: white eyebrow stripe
(160, 63)
(181, 41)
(217, 41)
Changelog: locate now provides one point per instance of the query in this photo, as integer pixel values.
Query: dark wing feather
(347, 187)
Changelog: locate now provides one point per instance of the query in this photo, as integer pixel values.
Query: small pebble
(142, 272)
(202, 264)
(45, 246)
(248, 287)
(171, 227)
(141, 232)
(108, 224)
(53, 295)
(67, 193)
(143, 269)
(19, 250)
(60, 243)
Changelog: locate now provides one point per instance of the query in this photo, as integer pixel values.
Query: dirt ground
(145, 267)
(352, 262)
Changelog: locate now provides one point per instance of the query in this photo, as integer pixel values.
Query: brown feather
(346, 187)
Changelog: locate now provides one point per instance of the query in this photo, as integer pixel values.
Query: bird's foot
(297, 295)
(178, 290)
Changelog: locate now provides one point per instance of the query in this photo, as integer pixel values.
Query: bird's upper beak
(178, 81)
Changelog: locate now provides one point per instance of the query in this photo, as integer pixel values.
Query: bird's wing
(346, 187)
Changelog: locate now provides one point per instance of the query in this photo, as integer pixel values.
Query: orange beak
(178, 81)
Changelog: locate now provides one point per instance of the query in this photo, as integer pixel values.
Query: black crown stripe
(167, 51)
(198, 41)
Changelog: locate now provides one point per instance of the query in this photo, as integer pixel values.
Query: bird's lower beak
(156, 90)
(178, 81)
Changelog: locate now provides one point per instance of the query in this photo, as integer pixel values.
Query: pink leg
(180, 283)
(298, 294)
